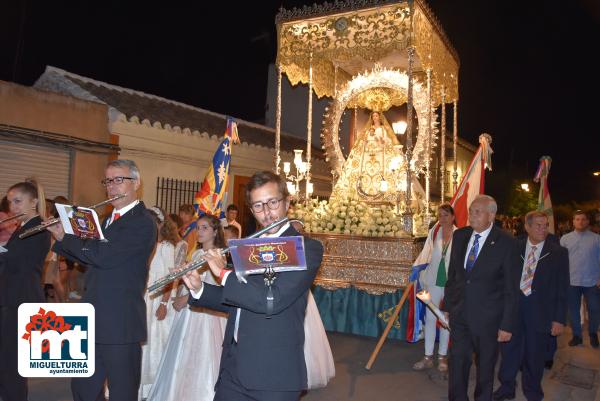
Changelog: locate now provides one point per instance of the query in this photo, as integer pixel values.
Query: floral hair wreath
(159, 213)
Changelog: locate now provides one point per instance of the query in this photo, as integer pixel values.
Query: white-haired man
(481, 298)
(115, 283)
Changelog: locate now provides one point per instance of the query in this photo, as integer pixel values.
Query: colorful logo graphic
(56, 340)
(267, 254)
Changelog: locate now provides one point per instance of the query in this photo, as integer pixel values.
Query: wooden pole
(393, 318)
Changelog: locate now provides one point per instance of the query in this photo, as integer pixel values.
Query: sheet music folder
(82, 222)
(254, 255)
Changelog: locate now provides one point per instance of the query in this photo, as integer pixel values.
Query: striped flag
(471, 185)
(473, 182)
(544, 202)
(416, 309)
(212, 196)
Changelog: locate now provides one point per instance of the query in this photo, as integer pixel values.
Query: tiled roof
(163, 113)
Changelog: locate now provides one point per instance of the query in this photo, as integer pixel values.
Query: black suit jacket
(115, 281)
(21, 267)
(270, 348)
(550, 285)
(487, 298)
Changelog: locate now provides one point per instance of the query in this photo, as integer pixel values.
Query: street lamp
(525, 187)
(293, 180)
(399, 127)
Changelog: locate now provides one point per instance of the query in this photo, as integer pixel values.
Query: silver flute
(195, 264)
(48, 223)
(9, 218)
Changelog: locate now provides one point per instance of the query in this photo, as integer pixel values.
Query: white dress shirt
(537, 253)
(484, 234)
(121, 211)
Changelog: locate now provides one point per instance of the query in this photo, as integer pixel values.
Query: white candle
(425, 297)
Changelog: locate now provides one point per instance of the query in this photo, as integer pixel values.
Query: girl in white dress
(317, 352)
(433, 280)
(159, 318)
(189, 367)
(320, 367)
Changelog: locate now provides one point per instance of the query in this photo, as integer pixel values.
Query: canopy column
(278, 122)
(443, 148)
(455, 146)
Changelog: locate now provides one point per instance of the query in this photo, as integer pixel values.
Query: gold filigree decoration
(375, 265)
(377, 78)
(355, 39)
(379, 99)
(431, 52)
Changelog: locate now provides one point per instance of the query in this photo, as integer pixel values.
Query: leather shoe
(594, 340)
(501, 396)
(576, 340)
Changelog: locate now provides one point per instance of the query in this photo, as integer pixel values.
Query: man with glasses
(542, 310)
(263, 356)
(115, 283)
(584, 269)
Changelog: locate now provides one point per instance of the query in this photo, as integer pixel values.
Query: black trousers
(527, 350)
(229, 388)
(121, 365)
(13, 387)
(463, 344)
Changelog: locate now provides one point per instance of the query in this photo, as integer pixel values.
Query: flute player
(115, 282)
(263, 356)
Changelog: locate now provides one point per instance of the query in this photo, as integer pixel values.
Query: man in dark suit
(115, 283)
(263, 357)
(543, 310)
(481, 298)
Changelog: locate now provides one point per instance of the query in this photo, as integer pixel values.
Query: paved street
(393, 379)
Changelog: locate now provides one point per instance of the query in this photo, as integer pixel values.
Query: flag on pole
(473, 181)
(544, 202)
(471, 185)
(212, 196)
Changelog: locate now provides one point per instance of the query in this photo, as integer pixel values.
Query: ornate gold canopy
(346, 38)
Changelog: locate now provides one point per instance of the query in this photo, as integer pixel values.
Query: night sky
(528, 76)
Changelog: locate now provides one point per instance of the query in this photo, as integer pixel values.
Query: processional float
(373, 55)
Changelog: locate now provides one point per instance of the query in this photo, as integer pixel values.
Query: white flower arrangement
(350, 217)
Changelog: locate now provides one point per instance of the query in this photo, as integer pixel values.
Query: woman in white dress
(159, 318)
(433, 279)
(189, 367)
(317, 352)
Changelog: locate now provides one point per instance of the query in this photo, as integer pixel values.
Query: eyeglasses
(116, 181)
(260, 206)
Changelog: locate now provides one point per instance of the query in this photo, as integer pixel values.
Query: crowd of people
(181, 342)
(503, 292)
(506, 290)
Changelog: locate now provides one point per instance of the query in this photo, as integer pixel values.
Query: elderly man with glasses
(115, 283)
(263, 356)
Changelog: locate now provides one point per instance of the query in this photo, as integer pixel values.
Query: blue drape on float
(349, 310)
